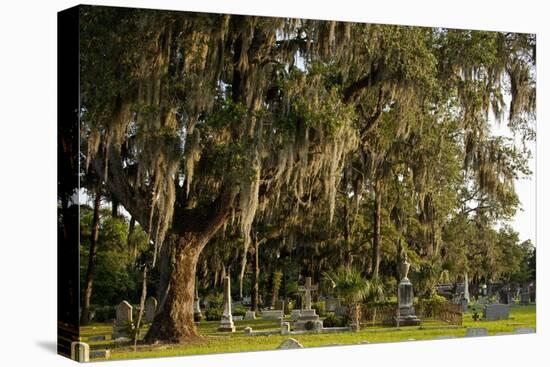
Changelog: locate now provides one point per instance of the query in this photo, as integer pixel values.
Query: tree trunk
(256, 284)
(376, 232)
(174, 323)
(92, 257)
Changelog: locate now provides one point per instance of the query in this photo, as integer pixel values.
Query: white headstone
(80, 352)
(285, 328)
(250, 315)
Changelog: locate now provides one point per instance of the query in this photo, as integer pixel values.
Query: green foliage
(115, 277)
(334, 321)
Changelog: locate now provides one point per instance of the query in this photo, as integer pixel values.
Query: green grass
(217, 342)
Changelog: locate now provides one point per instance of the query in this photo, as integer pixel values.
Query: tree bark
(174, 323)
(92, 259)
(376, 232)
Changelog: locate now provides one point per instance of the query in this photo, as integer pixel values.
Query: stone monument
(405, 314)
(124, 321)
(226, 323)
(308, 316)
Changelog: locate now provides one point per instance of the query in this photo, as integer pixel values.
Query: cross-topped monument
(307, 289)
(308, 319)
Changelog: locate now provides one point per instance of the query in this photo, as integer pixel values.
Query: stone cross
(307, 289)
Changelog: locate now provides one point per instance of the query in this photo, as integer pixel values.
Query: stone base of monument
(226, 324)
(409, 320)
(308, 320)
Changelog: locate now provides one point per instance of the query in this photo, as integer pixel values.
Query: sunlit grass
(217, 342)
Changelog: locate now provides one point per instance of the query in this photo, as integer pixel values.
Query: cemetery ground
(213, 341)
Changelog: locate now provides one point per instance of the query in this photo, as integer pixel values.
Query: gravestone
(238, 318)
(525, 298)
(476, 331)
(285, 328)
(494, 312)
(331, 304)
(250, 315)
(80, 352)
(307, 315)
(248, 331)
(103, 354)
(123, 322)
(272, 315)
(406, 314)
(226, 323)
(290, 343)
(524, 330)
(317, 326)
(464, 304)
(150, 309)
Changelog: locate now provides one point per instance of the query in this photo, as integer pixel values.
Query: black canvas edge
(68, 184)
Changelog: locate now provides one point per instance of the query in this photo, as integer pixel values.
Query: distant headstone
(150, 309)
(248, 331)
(238, 318)
(290, 343)
(80, 352)
(272, 315)
(331, 304)
(494, 312)
(476, 331)
(226, 323)
(123, 322)
(250, 315)
(317, 326)
(100, 354)
(285, 328)
(524, 298)
(524, 330)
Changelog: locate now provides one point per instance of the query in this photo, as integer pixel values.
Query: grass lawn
(217, 342)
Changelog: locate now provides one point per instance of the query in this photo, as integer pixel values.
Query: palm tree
(349, 285)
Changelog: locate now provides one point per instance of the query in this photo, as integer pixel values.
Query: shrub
(213, 314)
(105, 314)
(334, 321)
